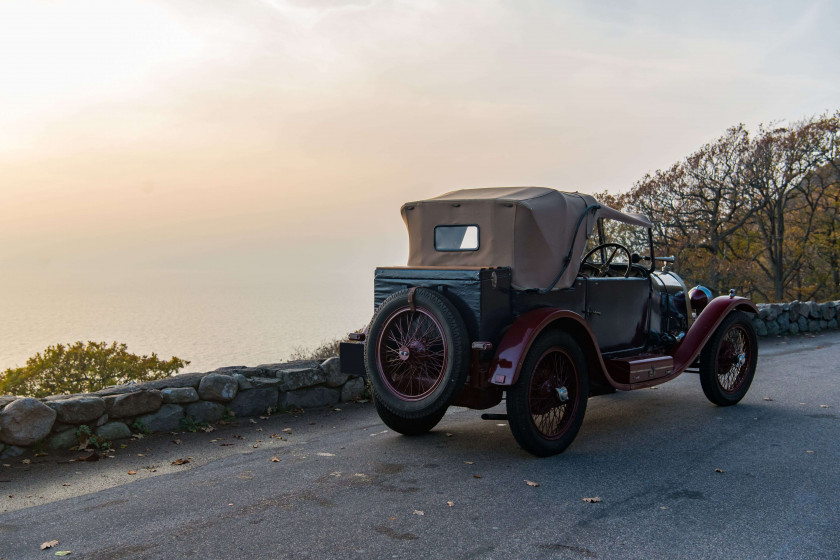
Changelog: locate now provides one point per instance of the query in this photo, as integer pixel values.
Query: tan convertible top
(530, 229)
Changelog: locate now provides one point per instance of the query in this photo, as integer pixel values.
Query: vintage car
(516, 293)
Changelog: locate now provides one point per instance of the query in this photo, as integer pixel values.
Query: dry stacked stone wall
(779, 319)
(168, 404)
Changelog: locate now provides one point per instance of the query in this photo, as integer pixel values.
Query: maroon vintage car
(517, 293)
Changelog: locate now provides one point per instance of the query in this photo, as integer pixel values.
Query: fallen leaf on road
(767, 399)
(809, 451)
(49, 544)
(448, 434)
(252, 421)
(63, 553)
(594, 500)
(468, 462)
(90, 458)
(476, 476)
(176, 441)
(209, 429)
(180, 462)
(141, 454)
(450, 504)
(532, 483)
(275, 459)
(224, 444)
(418, 512)
(719, 470)
(256, 446)
(824, 406)
(322, 454)
(287, 430)
(258, 429)
(132, 472)
(26, 461)
(64, 484)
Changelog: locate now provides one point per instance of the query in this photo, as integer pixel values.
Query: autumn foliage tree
(83, 368)
(756, 212)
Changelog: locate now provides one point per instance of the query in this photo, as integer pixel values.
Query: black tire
(417, 354)
(541, 422)
(408, 426)
(727, 362)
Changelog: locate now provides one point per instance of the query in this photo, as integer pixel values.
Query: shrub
(83, 368)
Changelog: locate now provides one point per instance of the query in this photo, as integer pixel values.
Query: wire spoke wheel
(552, 393)
(733, 359)
(728, 361)
(412, 353)
(417, 358)
(547, 403)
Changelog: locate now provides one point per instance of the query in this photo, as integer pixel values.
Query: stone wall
(171, 403)
(776, 319)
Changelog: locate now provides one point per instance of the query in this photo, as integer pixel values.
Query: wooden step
(639, 368)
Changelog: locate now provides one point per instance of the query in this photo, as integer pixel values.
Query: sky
(278, 138)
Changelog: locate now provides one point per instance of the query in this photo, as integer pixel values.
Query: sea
(212, 322)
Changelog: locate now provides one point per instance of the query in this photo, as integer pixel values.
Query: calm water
(210, 322)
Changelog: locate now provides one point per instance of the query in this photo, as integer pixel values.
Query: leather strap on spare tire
(417, 353)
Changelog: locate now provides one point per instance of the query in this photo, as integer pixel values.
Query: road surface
(345, 487)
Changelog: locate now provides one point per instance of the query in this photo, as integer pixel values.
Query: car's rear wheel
(727, 362)
(408, 426)
(417, 354)
(547, 404)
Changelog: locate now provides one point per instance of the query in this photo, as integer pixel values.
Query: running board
(491, 416)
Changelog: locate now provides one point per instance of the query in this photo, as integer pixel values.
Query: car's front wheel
(547, 404)
(727, 362)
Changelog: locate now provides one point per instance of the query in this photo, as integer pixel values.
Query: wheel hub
(404, 353)
(562, 394)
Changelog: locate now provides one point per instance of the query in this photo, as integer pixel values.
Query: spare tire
(417, 353)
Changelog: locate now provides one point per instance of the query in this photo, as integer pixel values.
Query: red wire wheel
(417, 355)
(547, 404)
(728, 361)
(411, 353)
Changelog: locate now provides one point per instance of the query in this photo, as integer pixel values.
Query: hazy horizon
(273, 141)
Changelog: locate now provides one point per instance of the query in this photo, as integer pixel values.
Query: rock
(832, 324)
(310, 398)
(763, 311)
(254, 402)
(332, 369)
(814, 326)
(12, 451)
(181, 380)
(784, 322)
(25, 421)
(167, 418)
(823, 325)
(102, 420)
(353, 389)
(59, 427)
(229, 370)
(63, 440)
(793, 310)
(174, 395)
(804, 309)
(78, 410)
(793, 328)
(113, 430)
(205, 411)
(814, 310)
(294, 379)
(827, 312)
(772, 328)
(760, 328)
(117, 390)
(6, 399)
(134, 404)
(217, 387)
(803, 324)
(242, 382)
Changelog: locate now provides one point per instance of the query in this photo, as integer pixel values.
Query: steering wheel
(603, 269)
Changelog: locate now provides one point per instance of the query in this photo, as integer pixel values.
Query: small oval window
(456, 238)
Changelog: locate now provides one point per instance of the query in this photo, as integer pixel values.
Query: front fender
(511, 352)
(704, 326)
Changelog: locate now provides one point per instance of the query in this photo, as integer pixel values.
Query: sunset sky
(267, 136)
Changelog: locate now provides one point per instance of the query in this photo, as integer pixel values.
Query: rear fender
(704, 326)
(511, 352)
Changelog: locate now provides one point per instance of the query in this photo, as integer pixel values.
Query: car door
(617, 310)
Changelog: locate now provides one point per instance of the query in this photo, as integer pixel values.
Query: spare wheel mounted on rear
(417, 353)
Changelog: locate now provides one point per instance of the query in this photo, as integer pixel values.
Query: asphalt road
(344, 487)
